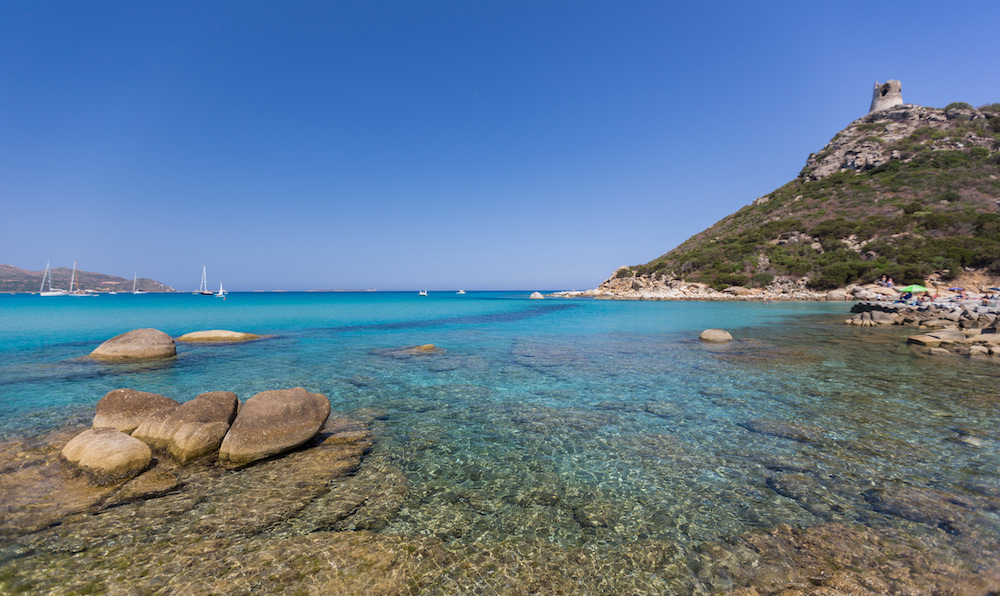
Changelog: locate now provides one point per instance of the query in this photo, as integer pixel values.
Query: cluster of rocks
(152, 344)
(658, 287)
(966, 329)
(130, 426)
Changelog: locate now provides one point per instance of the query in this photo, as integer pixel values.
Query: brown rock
(201, 424)
(107, 455)
(217, 335)
(715, 336)
(126, 409)
(140, 344)
(274, 422)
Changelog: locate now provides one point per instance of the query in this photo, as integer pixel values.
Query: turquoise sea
(594, 425)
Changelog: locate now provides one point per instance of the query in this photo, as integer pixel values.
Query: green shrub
(958, 105)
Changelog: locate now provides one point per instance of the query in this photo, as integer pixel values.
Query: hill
(13, 279)
(908, 192)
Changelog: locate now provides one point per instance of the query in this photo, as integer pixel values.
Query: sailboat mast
(44, 275)
(72, 278)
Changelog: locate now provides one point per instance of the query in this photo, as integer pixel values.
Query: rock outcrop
(715, 336)
(951, 328)
(107, 455)
(863, 144)
(273, 422)
(126, 409)
(217, 335)
(192, 429)
(139, 344)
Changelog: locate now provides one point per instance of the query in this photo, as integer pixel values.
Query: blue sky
(440, 144)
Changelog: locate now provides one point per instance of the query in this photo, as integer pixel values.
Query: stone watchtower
(886, 95)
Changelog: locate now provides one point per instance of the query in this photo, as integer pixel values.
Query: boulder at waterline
(273, 422)
(409, 351)
(715, 336)
(139, 344)
(201, 424)
(107, 455)
(125, 409)
(536, 296)
(217, 335)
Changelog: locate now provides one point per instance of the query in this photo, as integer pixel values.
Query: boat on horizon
(222, 293)
(460, 292)
(135, 278)
(78, 292)
(50, 292)
(422, 293)
(203, 289)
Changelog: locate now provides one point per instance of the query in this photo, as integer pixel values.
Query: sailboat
(222, 293)
(135, 278)
(50, 292)
(203, 289)
(78, 291)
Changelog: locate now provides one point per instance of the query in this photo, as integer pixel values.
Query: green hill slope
(912, 193)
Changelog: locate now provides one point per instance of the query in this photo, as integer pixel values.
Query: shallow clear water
(575, 422)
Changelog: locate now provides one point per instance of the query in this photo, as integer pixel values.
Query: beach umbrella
(913, 288)
(955, 289)
(995, 289)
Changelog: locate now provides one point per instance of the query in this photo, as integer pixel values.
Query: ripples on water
(594, 426)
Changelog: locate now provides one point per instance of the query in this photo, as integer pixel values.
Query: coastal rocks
(273, 422)
(139, 344)
(965, 328)
(126, 409)
(217, 336)
(536, 296)
(715, 336)
(107, 455)
(193, 429)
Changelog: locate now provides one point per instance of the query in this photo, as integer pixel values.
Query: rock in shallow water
(273, 422)
(125, 409)
(715, 336)
(139, 344)
(107, 455)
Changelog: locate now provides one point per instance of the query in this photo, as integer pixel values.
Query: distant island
(907, 192)
(14, 279)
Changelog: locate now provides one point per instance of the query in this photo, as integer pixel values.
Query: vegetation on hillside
(928, 210)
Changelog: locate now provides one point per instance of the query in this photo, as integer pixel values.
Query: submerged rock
(107, 455)
(785, 430)
(217, 335)
(139, 344)
(274, 422)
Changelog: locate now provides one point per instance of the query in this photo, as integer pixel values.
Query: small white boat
(135, 278)
(222, 293)
(422, 293)
(203, 289)
(460, 292)
(50, 292)
(78, 293)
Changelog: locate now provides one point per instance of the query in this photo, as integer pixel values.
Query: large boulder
(273, 422)
(536, 296)
(107, 455)
(715, 336)
(217, 336)
(140, 344)
(200, 425)
(126, 409)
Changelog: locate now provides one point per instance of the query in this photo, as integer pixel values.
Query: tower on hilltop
(886, 95)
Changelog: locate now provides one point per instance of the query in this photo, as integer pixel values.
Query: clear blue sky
(436, 144)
